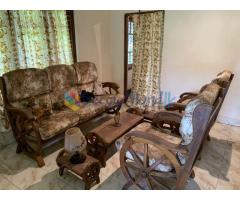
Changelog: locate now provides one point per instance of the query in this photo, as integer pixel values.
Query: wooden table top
(79, 169)
(109, 133)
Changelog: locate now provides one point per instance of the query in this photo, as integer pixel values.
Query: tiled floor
(219, 167)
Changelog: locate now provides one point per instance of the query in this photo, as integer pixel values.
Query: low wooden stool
(88, 171)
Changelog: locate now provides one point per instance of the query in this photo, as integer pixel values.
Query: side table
(88, 171)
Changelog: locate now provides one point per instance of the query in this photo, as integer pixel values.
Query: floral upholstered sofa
(34, 102)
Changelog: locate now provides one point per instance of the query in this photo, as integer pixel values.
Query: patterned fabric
(222, 77)
(89, 87)
(25, 83)
(41, 103)
(86, 72)
(147, 50)
(62, 78)
(154, 153)
(109, 100)
(89, 110)
(210, 93)
(33, 39)
(186, 126)
(51, 125)
(98, 89)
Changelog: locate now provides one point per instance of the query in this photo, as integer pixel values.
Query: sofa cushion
(109, 100)
(88, 110)
(210, 93)
(62, 78)
(25, 83)
(222, 78)
(186, 126)
(51, 125)
(86, 72)
(89, 87)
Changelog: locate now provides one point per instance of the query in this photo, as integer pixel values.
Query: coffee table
(101, 140)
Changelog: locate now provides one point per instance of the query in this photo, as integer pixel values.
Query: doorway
(128, 50)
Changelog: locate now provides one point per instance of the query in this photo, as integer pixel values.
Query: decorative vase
(117, 119)
(74, 140)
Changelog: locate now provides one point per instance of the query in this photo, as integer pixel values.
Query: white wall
(93, 40)
(197, 45)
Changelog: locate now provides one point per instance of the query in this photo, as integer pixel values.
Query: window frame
(71, 28)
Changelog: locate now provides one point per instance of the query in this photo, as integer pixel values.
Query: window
(36, 39)
(130, 43)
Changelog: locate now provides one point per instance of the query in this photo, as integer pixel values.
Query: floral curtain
(147, 50)
(33, 39)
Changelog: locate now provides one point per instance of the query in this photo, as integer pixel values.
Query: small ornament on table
(117, 119)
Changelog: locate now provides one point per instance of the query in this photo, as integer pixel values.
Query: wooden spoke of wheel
(146, 157)
(136, 180)
(154, 165)
(136, 157)
(163, 174)
(149, 184)
(158, 183)
(132, 166)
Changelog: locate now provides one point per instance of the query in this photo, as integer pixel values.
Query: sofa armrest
(22, 112)
(175, 107)
(111, 85)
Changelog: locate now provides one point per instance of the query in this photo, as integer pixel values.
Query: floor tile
(218, 169)
(50, 181)
(6, 184)
(26, 177)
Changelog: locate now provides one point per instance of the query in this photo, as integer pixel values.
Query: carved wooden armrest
(22, 112)
(186, 95)
(111, 85)
(175, 106)
(169, 118)
(23, 123)
(146, 136)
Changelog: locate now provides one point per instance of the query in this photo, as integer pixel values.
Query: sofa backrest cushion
(210, 93)
(25, 83)
(223, 78)
(86, 72)
(62, 78)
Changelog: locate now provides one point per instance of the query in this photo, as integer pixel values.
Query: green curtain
(33, 39)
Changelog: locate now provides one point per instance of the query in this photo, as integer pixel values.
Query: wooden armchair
(162, 154)
(223, 79)
(156, 159)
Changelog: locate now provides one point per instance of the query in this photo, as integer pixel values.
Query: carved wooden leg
(192, 175)
(61, 170)
(208, 138)
(40, 161)
(19, 149)
(97, 180)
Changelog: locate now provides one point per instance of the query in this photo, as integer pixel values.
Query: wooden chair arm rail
(157, 140)
(167, 117)
(175, 106)
(22, 112)
(112, 85)
(193, 94)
